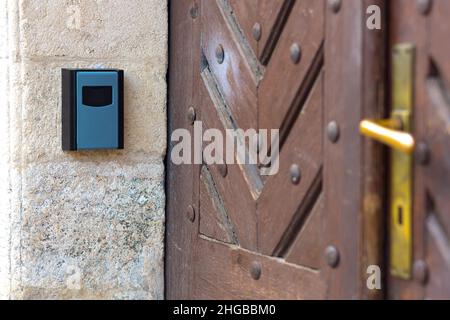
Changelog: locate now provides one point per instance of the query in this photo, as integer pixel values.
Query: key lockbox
(92, 109)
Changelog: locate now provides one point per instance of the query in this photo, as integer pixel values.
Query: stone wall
(81, 224)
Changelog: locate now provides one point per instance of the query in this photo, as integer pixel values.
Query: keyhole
(400, 215)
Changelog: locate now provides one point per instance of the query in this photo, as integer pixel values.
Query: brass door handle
(389, 133)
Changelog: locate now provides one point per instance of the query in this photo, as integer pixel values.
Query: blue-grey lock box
(92, 109)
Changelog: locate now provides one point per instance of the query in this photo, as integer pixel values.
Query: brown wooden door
(425, 24)
(311, 69)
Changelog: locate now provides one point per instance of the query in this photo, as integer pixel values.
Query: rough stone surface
(3, 31)
(90, 224)
(112, 29)
(4, 157)
(92, 229)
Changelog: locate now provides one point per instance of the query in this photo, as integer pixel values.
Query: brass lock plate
(401, 178)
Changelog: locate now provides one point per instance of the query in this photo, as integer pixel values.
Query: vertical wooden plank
(374, 166)
(342, 159)
(354, 167)
(184, 68)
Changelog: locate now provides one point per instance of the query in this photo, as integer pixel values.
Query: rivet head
(424, 6)
(191, 115)
(255, 270)
(420, 271)
(296, 53)
(220, 54)
(256, 31)
(334, 5)
(190, 213)
(295, 174)
(333, 132)
(423, 154)
(194, 11)
(332, 256)
(223, 169)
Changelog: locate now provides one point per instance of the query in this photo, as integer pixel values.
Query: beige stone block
(5, 195)
(94, 28)
(91, 230)
(145, 110)
(3, 30)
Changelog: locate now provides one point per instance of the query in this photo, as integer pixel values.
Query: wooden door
(425, 25)
(313, 70)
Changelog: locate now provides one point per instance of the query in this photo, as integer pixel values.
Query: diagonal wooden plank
(281, 198)
(214, 220)
(272, 17)
(438, 259)
(295, 227)
(307, 248)
(269, 15)
(439, 29)
(232, 188)
(250, 172)
(437, 174)
(240, 39)
(246, 17)
(305, 27)
(440, 237)
(234, 75)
